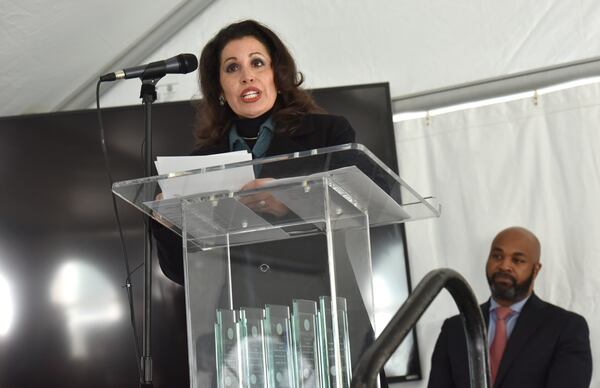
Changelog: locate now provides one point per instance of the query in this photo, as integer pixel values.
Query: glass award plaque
(336, 369)
(280, 355)
(253, 349)
(304, 329)
(228, 352)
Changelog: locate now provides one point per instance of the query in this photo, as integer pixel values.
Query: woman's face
(247, 78)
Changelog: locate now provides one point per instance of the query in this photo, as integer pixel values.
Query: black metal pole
(374, 359)
(148, 95)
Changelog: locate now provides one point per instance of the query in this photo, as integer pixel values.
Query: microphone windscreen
(187, 63)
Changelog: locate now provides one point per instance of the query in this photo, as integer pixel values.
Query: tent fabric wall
(533, 163)
(413, 45)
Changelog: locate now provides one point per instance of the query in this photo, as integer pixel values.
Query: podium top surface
(341, 182)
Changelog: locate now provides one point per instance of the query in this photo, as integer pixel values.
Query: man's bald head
(525, 237)
(513, 264)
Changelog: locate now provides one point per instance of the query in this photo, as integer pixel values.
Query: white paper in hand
(222, 180)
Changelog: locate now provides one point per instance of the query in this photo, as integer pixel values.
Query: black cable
(127, 285)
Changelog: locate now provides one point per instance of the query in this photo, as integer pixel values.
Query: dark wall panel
(65, 317)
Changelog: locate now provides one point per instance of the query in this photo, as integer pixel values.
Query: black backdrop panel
(64, 319)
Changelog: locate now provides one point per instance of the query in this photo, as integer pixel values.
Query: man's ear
(536, 268)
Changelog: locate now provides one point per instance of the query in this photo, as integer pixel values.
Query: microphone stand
(148, 96)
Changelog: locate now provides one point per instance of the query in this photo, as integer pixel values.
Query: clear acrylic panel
(304, 235)
(400, 203)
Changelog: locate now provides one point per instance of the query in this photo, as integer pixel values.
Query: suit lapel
(219, 147)
(281, 144)
(485, 310)
(295, 141)
(529, 320)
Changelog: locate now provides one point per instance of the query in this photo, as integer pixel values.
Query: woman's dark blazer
(314, 131)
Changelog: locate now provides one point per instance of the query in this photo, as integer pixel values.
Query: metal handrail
(374, 359)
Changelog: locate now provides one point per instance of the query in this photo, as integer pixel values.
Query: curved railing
(374, 359)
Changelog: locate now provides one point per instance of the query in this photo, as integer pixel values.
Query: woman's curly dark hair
(214, 119)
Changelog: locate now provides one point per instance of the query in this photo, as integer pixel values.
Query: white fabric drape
(530, 163)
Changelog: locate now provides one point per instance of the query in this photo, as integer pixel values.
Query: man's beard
(512, 293)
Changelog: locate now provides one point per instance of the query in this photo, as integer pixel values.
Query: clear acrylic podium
(278, 278)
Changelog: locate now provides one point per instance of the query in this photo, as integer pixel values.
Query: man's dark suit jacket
(549, 347)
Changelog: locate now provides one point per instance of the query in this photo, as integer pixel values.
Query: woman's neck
(248, 128)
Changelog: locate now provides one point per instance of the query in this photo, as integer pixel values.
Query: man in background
(532, 343)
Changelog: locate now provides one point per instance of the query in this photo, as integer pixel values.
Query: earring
(221, 100)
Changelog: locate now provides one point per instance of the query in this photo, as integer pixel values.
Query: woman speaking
(252, 101)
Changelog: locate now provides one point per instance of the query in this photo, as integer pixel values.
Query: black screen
(64, 319)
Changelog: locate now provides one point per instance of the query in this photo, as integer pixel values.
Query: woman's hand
(157, 216)
(263, 202)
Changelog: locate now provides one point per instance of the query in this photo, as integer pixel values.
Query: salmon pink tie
(499, 342)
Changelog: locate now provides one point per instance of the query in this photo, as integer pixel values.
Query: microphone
(180, 64)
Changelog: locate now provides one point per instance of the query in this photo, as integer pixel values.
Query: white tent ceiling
(52, 50)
